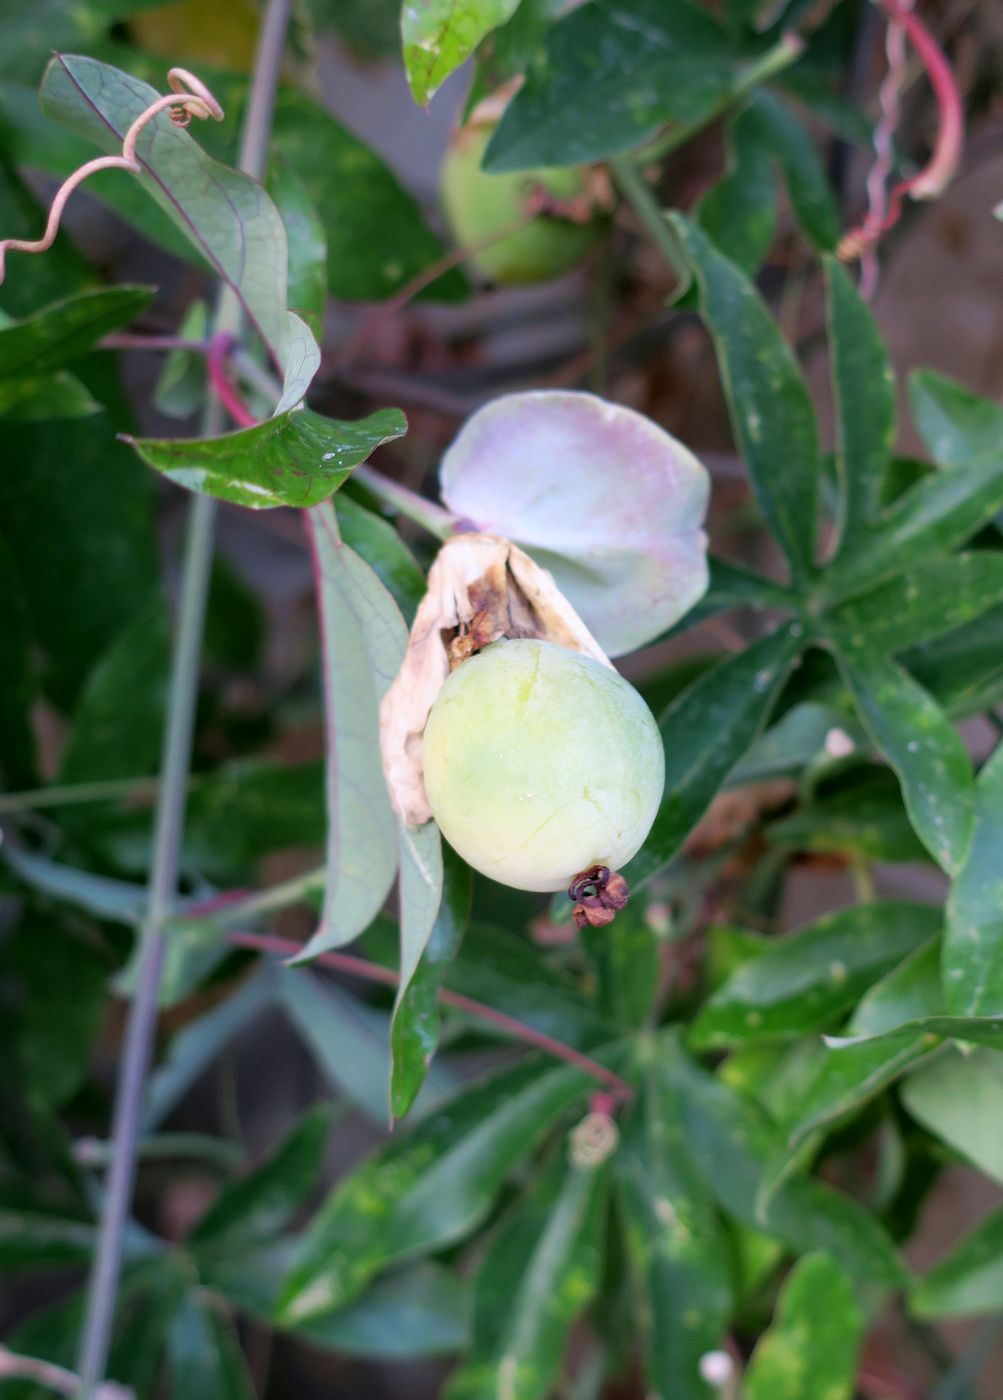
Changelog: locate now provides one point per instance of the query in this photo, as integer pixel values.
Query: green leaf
(969, 1280)
(439, 35)
(77, 516)
(302, 363)
(810, 1349)
(117, 728)
(812, 199)
(937, 514)
(17, 694)
(420, 1311)
(377, 238)
(60, 1007)
(67, 329)
(505, 971)
(34, 399)
(734, 1146)
(705, 732)
(959, 1098)
(771, 411)
(676, 1240)
(181, 388)
(972, 966)
(540, 1272)
(851, 1074)
(625, 959)
(385, 552)
(923, 602)
(433, 919)
(264, 1201)
(799, 983)
(863, 815)
(297, 459)
(105, 898)
(363, 642)
(307, 238)
(964, 670)
(427, 1188)
(227, 216)
(797, 741)
(350, 1043)
(738, 213)
(204, 1356)
(149, 1298)
(193, 1048)
(909, 992)
(573, 107)
(923, 747)
(955, 424)
(863, 388)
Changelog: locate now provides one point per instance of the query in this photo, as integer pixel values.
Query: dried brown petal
(481, 588)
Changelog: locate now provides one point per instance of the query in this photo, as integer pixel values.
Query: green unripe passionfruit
(539, 763)
(479, 205)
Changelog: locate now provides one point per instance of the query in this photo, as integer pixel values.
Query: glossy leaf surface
(972, 965)
(800, 982)
(297, 459)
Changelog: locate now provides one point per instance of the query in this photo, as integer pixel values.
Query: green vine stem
(103, 1288)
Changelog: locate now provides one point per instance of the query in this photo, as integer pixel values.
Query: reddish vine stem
(929, 182)
(352, 966)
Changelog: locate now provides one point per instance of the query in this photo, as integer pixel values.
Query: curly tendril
(189, 97)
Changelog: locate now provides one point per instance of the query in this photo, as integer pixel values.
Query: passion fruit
(540, 763)
(480, 206)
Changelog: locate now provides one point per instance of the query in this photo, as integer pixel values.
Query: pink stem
(932, 179)
(373, 972)
(217, 364)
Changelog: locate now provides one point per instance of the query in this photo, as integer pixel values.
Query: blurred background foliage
(827, 1214)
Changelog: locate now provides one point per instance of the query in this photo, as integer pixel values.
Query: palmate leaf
(921, 603)
(938, 513)
(959, 1098)
(734, 1147)
(863, 387)
(810, 1349)
(675, 1240)
(771, 411)
(299, 458)
(203, 1354)
(227, 216)
(350, 1044)
(923, 747)
(972, 965)
(969, 1280)
(706, 731)
(799, 983)
(955, 424)
(739, 212)
(421, 1310)
(426, 1189)
(541, 1271)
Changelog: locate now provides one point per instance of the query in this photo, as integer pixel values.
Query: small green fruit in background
(479, 205)
(539, 763)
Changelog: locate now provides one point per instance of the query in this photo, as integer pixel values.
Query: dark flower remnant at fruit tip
(598, 894)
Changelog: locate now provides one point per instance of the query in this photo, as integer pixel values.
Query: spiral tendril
(189, 97)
